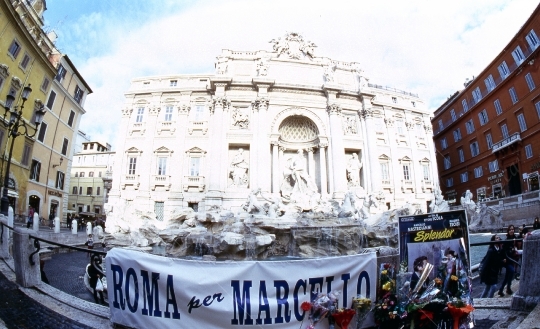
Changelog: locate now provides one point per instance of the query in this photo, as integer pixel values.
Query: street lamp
(17, 126)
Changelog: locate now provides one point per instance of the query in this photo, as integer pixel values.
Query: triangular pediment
(195, 150)
(133, 150)
(384, 157)
(163, 149)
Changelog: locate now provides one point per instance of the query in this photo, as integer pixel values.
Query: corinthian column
(322, 165)
(372, 156)
(337, 151)
(218, 149)
(275, 167)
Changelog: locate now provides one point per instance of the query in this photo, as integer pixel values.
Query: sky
(427, 47)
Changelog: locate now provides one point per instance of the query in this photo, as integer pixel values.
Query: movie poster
(440, 239)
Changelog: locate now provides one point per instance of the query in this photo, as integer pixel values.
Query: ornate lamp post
(17, 126)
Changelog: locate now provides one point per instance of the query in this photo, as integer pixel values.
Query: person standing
(510, 254)
(90, 243)
(30, 219)
(95, 275)
(494, 260)
(536, 224)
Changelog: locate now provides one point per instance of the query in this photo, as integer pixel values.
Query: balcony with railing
(132, 180)
(195, 182)
(161, 181)
(138, 127)
(169, 126)
(514, 138)
(198, 125)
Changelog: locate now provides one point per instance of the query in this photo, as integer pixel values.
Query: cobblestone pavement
(17, 310)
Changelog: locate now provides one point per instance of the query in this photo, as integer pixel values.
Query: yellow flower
(454, 278)
(387, 286)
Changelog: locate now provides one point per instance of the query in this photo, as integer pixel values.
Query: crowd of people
(504, 254)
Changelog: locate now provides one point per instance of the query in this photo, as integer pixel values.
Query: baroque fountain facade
(277, 153)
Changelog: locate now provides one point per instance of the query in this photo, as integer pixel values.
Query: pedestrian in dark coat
(536, 224)
(490, 271)
(94, 275)
(510, 253)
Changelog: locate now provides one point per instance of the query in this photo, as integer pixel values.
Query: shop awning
(12, 194)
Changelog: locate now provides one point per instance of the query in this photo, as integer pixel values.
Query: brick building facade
(487, 136)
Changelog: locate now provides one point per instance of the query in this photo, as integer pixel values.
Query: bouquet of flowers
(459, 310)
(362, 307)
(318, 308)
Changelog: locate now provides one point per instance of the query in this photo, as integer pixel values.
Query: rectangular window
(477, 95)
(90, 174)
(493, 166)
(25, 61)
(465, 105)
(504, 130)
(14, 48)
(532, 39)
(489, 141)
(537, 105)
(464, 177)
(425, 171)
(61, 74)
(475, 150)
(71, 118)
(74, 190)
(78, 95)
(82, 174)
(50, 101)
(25, 160)
(35, 170)
(444, 143)
(522, 123)
(449, 182)
(168, 113)
(162, 166)
(89, 190)
(194, 166)
(173, 83)
(132, 166)
(503, 70)
(441, 126)
(59, 180)
(80, 190)
(518, 55)
(457, 135)
(478, 172)
(45, 84)
(384, 171)
(140, 113)
(490, 83)
(528, 151)
(159, 210)
(447, 163)
(461, 155)
(470, 126)
(406, 175)
(98, 192)
(453, 114)
(483, 117)
(498, 107)
(65, 146)
(513, 95)
(530, 81)
(199, 112)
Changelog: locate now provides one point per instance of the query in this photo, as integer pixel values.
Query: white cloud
(425, 47)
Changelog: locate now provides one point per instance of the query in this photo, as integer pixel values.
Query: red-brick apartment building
(487, 136)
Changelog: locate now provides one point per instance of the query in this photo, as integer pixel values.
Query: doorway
(34, 201)
(514, 180)
(533, 182)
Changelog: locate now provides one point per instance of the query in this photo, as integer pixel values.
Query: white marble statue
(467, 202)
(240, 118)
(303, 183)
(238, 169)
(262, 68)
(329, 70)
(353, 171)
(438, 203)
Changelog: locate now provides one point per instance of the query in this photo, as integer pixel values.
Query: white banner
(148, 291)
